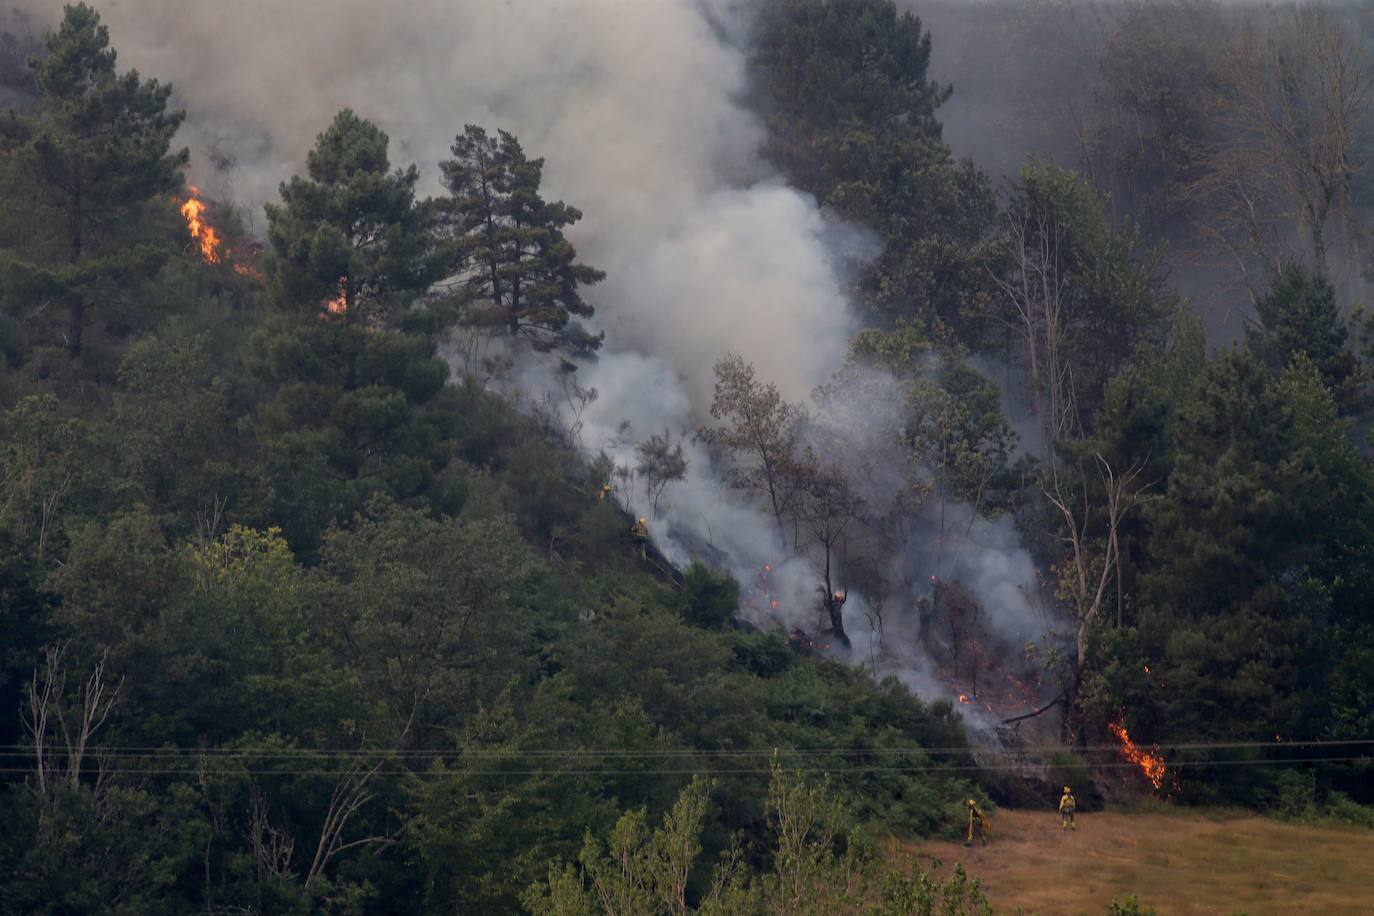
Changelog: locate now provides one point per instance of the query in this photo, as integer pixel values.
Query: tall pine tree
(91, 157)
(350, 232)
(518, 269)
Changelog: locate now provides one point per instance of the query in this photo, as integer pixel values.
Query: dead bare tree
(1292, 116)
(576, 398)
(866, 576)
(63, 732)
(1089, 569)
(661, 461)
(827, 509)
(350, 794)
(272, 848)
(1036, 288)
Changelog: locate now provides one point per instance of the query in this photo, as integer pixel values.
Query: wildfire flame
(1150, 764)
(194, 212)
(339, 304)
(963, 698)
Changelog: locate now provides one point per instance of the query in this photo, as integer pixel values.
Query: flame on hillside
(339, 304)
(212, 245)
(1151, 764)
(193, 210)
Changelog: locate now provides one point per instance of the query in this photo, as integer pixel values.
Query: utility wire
(196, 771)
(15, 750)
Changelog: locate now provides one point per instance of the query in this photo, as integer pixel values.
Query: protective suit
(639, 532)
(1066, 809)
(978, 824)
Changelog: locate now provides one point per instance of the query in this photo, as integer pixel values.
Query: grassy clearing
(1176, 862)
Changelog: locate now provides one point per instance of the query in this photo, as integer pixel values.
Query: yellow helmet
(644, 521)
(1067, 790)
(971, 803)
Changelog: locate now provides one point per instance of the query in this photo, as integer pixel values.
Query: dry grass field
(1176, 862)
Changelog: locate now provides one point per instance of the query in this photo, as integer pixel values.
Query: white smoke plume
(636, 106)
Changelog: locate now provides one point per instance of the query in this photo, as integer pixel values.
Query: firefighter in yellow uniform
(603, 493)
(978, 824)
(1066, 808)
(640, 533)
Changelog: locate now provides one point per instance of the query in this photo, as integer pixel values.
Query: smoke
(633, 105)
(637, 107)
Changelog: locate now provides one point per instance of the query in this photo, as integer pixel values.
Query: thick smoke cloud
(631, 103)
(636, 105)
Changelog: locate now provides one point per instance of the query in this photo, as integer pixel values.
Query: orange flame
(339, 304)
(963, 698)
(1150, 764)
(194, 212)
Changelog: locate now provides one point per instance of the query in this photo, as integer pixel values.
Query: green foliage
(957, 441)
(351, 230)
(818, 863)
(350, 412)
(520, 272)
(1252, 569)
(119, 852)
(1083, 293)
(1129, 907)
(708, 599)
(1299, 317)
(90, 200)
(852, 121)
(363, 638)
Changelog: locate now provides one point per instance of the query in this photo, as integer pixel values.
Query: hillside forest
(322, 591)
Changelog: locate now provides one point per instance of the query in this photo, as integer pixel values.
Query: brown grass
(1175, 862)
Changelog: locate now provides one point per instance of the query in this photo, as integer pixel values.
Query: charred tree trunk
(834, 608)
(925, 613)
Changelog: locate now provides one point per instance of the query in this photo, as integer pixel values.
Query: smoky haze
(632, 105)
(638, 109)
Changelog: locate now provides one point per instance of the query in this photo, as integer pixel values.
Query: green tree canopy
(851, 115)
(93, 156)
(1299, 315)
(519, 271)
(350, 232)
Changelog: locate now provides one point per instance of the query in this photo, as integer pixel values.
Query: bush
(1342, 809)
(709, 599)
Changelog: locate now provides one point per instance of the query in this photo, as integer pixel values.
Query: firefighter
(640, 533)
(1066, 808)
(604, 492)
(978, 823)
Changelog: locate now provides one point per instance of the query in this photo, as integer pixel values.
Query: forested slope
(293, 617)
(299, 617)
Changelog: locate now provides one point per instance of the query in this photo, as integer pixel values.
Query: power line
(196, 771)
(15, 750)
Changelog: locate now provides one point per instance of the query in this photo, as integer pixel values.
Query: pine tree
(351, 233)
(519, 270)
(1299, 315)
(92, 155)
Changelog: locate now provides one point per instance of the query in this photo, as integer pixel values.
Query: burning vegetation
(339, 304)
(209, 240)
(204, 234)
(1150, 763)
